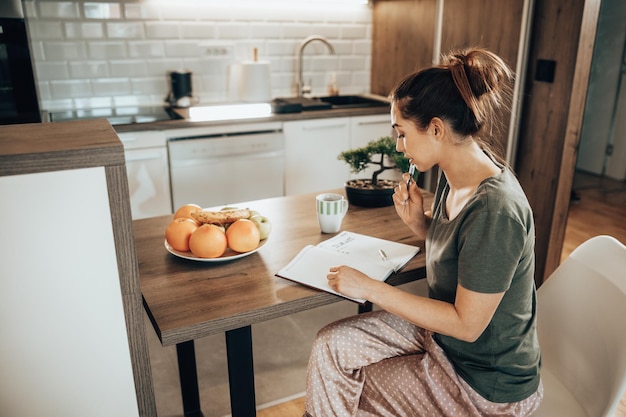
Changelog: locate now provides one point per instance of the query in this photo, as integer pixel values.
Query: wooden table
(187, 300)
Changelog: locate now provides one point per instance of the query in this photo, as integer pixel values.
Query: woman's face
(418, 146)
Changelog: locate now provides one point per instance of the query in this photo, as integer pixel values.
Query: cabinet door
(148, 182)
(148, 173)
(311, 150)
(368, 128)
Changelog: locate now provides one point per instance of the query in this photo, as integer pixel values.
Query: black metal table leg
(241, 372)
(365, 307)
(188, 375)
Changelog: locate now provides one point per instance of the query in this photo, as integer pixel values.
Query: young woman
(470, 348)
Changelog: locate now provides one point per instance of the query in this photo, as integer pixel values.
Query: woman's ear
(437, 127)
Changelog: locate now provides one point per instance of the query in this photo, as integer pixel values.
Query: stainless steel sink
(352, 101)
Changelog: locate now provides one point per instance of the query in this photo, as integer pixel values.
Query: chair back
(581, 316)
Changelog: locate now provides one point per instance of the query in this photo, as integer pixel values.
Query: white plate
(229, 255)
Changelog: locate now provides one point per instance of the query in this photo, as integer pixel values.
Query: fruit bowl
(229, 255)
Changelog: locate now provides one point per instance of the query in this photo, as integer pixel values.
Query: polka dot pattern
(377, 365)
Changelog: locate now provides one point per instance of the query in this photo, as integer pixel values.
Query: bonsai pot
(360, 192)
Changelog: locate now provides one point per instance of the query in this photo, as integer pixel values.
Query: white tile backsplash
(118, 53)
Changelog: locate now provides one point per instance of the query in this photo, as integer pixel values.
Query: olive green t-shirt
(489, 248)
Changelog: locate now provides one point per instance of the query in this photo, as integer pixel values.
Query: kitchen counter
(158, 119)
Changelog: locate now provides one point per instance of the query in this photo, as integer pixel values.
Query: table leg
(188, 375)
(365, 307)
(241, 372)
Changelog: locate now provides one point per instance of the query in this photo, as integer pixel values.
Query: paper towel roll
(255, 81)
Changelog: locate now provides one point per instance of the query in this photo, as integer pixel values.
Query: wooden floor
(598, 207)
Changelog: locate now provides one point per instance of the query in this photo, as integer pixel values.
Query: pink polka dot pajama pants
(376, 364)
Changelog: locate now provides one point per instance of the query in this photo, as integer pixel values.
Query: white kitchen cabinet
(148, 173)
(311, 149)
(368, 128)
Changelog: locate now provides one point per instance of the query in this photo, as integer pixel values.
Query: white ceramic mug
(331, 209)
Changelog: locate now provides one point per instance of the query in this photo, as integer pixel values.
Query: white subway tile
(146, 49)
(58, 9)
(163, 67)
(89, 69)
(353, 31)
(233, 30)
(182, 48)
(64, 50)
(107, 50)
(128, 68)
(53, 104)
(141, 86)
(362, 47)
(162, 30)
(202, 30)
(105, 87)
(52, 70)
(353, 63)
(297, 30)
(124, 58)
(47, 30)
(143, 10)
(93, 103)
(102, 10)
(84, 30)
(125, 30)
(61, 89)
(43, 89)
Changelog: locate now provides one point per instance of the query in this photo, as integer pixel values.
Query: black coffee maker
(181, 93)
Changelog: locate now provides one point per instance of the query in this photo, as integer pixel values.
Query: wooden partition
(74, 339)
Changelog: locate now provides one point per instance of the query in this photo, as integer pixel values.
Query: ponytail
(469, 90)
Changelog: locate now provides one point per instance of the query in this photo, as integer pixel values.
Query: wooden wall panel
(402, 41)
(491, 24)
(544, 122)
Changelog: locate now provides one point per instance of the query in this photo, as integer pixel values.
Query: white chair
(582, 332)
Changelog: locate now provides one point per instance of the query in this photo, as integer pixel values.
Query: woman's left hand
(349, 281)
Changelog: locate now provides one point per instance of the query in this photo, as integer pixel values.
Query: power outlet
(220, 51)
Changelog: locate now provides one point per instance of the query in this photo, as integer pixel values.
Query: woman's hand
(349, 281)
(409, 204)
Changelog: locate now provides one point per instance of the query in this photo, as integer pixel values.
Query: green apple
(263, 224)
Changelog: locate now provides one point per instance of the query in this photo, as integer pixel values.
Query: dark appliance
(18, 91)
(181, 92)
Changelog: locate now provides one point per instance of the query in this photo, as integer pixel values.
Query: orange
(178, 233)
(208, 241)
(243, 236)
(185, 211)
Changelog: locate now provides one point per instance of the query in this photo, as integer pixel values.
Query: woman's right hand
(409, 204)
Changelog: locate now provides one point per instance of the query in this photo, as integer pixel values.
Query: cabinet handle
(372, 123)
(305, 127)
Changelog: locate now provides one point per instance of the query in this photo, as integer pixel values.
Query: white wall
(101, 54)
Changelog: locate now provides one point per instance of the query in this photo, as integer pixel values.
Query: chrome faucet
(302, 89)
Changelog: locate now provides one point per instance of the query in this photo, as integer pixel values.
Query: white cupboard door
(365, 129)
(148, 182)
(311, 150)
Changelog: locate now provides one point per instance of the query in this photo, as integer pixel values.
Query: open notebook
(310, 266)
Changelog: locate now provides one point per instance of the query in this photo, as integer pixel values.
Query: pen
(384, 257)
(411, 172)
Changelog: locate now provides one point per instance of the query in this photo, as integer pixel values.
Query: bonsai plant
(374, 191)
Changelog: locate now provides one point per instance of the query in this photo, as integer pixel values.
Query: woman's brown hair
(469, 90)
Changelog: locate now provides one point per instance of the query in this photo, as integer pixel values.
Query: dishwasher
(223, 168)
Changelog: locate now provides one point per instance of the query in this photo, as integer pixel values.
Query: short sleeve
(491, 244)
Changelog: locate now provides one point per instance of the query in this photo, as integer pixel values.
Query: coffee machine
(181, 92)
